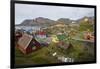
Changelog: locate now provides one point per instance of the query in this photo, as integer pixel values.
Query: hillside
(40, 21)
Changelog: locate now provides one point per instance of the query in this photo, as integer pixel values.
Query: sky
(27, 11)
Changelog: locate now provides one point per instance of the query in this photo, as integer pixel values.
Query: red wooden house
(41, 34)
(27, 44)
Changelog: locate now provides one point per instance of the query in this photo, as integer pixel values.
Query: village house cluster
(28, 41)
(31, 41)
(59, 41)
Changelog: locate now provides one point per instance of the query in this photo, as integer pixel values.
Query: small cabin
(27, 44)
(64, 45)
(88, 36)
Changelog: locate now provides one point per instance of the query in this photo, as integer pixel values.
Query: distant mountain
(40, 21)
(27, 22)
(64, 20)
(43, 20)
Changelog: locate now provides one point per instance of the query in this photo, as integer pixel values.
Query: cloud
(26, 11)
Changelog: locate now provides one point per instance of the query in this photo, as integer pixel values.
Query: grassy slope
(44, 55)
(40, 56)
(79, 52)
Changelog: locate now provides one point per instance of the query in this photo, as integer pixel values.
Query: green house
(61, 37)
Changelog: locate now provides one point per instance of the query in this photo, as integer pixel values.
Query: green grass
(81, 51)
(78, 51)
(44, 55)
(41, 56)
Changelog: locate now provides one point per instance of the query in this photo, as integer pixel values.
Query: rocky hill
(40, 21)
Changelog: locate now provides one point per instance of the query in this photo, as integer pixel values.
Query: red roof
(42, 33)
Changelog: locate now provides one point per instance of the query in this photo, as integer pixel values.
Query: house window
(34, 47)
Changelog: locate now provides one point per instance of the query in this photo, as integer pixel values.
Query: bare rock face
(37, 22)
(27, 22)
(40, 20)
(43, 20)
(64, 20)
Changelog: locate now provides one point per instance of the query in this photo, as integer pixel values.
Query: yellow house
(55, 39)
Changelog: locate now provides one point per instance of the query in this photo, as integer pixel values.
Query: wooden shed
(27, 44)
